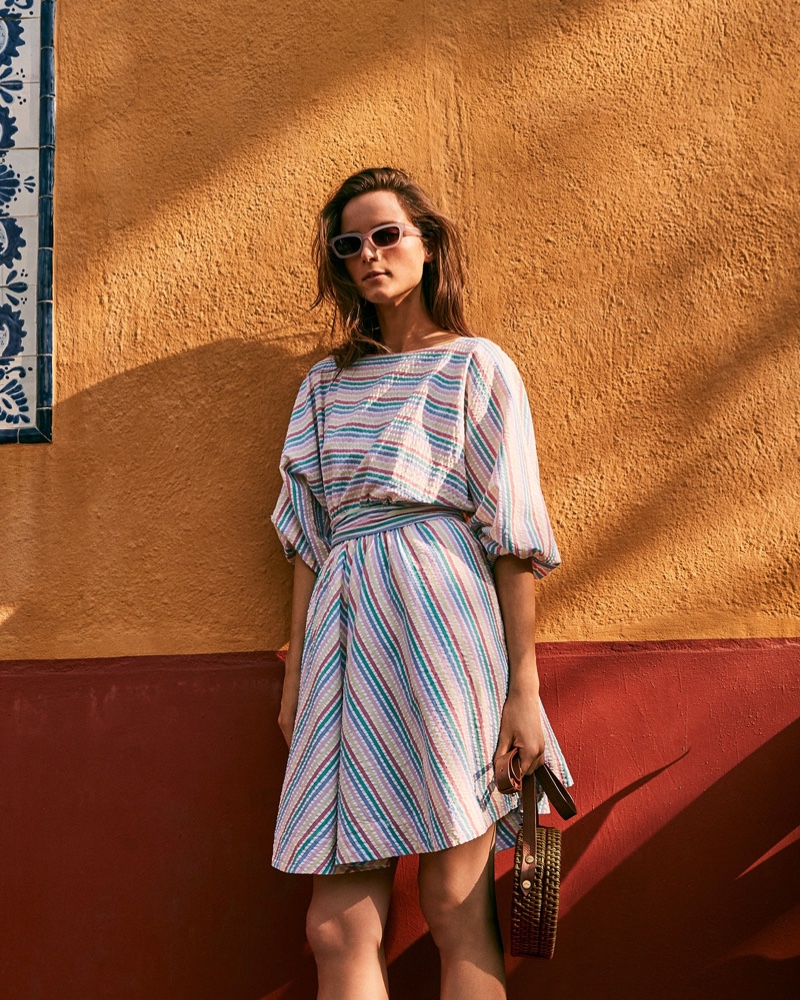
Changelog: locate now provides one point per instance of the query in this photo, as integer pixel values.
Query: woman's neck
(407, 324)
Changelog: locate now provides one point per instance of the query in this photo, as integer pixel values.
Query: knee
(456, 923)
(334, 935)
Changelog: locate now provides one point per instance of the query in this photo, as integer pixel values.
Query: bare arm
(521, 724)
(304, 580)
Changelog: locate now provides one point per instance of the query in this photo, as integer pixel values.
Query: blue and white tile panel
(27, 148)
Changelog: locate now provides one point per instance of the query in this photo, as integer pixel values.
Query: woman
(411, 495)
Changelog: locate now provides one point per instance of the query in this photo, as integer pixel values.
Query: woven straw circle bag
(537, 858)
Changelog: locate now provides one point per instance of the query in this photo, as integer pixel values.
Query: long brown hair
(442, 277)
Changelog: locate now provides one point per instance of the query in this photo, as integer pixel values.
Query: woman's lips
(375, 274)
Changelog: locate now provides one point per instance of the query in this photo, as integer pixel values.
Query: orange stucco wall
(626, 177)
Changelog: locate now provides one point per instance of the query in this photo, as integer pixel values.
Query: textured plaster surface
(165, 772)
(626, 177)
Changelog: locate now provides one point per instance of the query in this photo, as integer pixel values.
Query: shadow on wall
(171, 224)
(236, 75)
(170, 474)
(139, 799)
(680, 497)
(678, 917)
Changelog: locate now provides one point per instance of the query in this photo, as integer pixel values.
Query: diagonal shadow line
(692, 413)
(422, 953)
(583, 831)
(219, 113)
(675, 908)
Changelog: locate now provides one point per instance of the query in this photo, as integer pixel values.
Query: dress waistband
(374, 517)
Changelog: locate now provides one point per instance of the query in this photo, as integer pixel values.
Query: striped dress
(404, 477)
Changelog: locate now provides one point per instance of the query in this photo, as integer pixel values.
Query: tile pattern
(27, 149)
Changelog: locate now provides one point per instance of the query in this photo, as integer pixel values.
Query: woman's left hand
(521, 726)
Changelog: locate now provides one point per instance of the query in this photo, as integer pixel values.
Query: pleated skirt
(403, 678)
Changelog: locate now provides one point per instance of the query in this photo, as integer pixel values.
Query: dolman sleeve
(502, 469)
(301, 516)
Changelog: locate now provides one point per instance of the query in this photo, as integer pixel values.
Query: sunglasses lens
(346, 246)
(386, 236)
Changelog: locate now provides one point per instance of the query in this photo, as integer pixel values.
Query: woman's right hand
(291, 692)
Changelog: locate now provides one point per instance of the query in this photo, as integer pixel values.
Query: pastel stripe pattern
(403, 478)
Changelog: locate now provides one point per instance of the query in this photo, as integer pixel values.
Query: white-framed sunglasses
(381, 237)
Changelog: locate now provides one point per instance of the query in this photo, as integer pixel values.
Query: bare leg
(456, 889)
(345, 925)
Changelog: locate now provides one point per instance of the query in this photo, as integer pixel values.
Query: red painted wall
(138, 798)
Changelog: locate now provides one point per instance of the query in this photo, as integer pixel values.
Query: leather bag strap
(530, 814)
(509, 779)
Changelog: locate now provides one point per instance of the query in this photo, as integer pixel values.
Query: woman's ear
(430, 252)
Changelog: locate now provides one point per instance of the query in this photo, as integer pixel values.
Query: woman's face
(386, 275)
